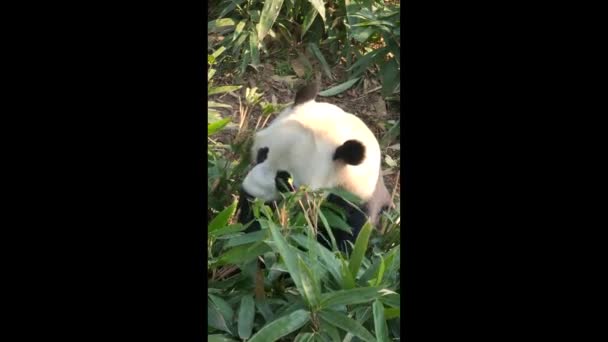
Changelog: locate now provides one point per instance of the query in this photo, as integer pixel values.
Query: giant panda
(321, 146)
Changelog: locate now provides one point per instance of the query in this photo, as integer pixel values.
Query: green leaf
(238, 29)
(215, 25)
(231, 229)
(222, 89)
(264, 309)
(328, 230)
(267, 18)
(253, 48)
(319, 7)
(223, 307)
(339, 88)
(380, 273)
(282, 327)
(336, 221)
(348, 282)
(390, 136)
(304, 337)
(213, 104)
(350, 297)
(258, 236)
(243, 254)
(347, 324)
(227, 8)
(389, 74)
(363, 63)
(210, 74)
(331, 331)
(390, 313)
(328, 259)
(360, 247)
(380, 322)
(218, 52)
(392, 299)
(309, 18)
(315, 51)
(239, 41)
(219, 338)
(215, 318)
(312, 287)
(221, 220)
(246, 315)
(289, 257)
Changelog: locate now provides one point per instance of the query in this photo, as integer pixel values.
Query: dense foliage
(364, 35)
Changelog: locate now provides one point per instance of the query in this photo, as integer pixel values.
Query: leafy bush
(305, 291)
(362, 34)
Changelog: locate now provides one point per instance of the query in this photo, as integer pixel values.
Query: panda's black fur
(351, 152)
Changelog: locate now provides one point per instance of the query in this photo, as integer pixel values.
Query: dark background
(111, 98)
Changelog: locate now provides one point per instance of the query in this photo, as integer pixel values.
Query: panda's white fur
(302, 141)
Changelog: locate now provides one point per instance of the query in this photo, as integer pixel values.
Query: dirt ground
(364, 101)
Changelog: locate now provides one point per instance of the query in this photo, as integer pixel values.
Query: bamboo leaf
(389, 74)
(215, 25)
(315, 51)
(309, 18)
(213, 104)
(243, 254)
(282, 326)
(360, 247)
(312, 288)
(222, 89)
(246, 238)
(339, 88)
(380, 326)
(229, 7)
(350, 297)
(319, 6)
(268, 16)
(231, 229)
(380, 271)
(328, 230)
(347, 324)
(215, 318)
(219, 338)
(253, 48)
(289, 257)
(246, 315)
(390, 313)
(221, 220)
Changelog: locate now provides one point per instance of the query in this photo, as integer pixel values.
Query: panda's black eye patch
(262, 155)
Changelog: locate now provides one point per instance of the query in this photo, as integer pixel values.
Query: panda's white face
(304, 141)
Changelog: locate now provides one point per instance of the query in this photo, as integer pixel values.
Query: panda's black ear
(307, 93)
(351, 152)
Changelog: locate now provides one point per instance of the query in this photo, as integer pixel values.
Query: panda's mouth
(284, 182)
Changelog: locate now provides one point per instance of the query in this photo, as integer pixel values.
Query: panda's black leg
(246, 212)
(354, 218)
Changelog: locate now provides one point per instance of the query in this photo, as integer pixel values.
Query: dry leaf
(298, 67)
(291, 80)
(380, 107)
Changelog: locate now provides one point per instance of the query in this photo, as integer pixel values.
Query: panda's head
(320, 146)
